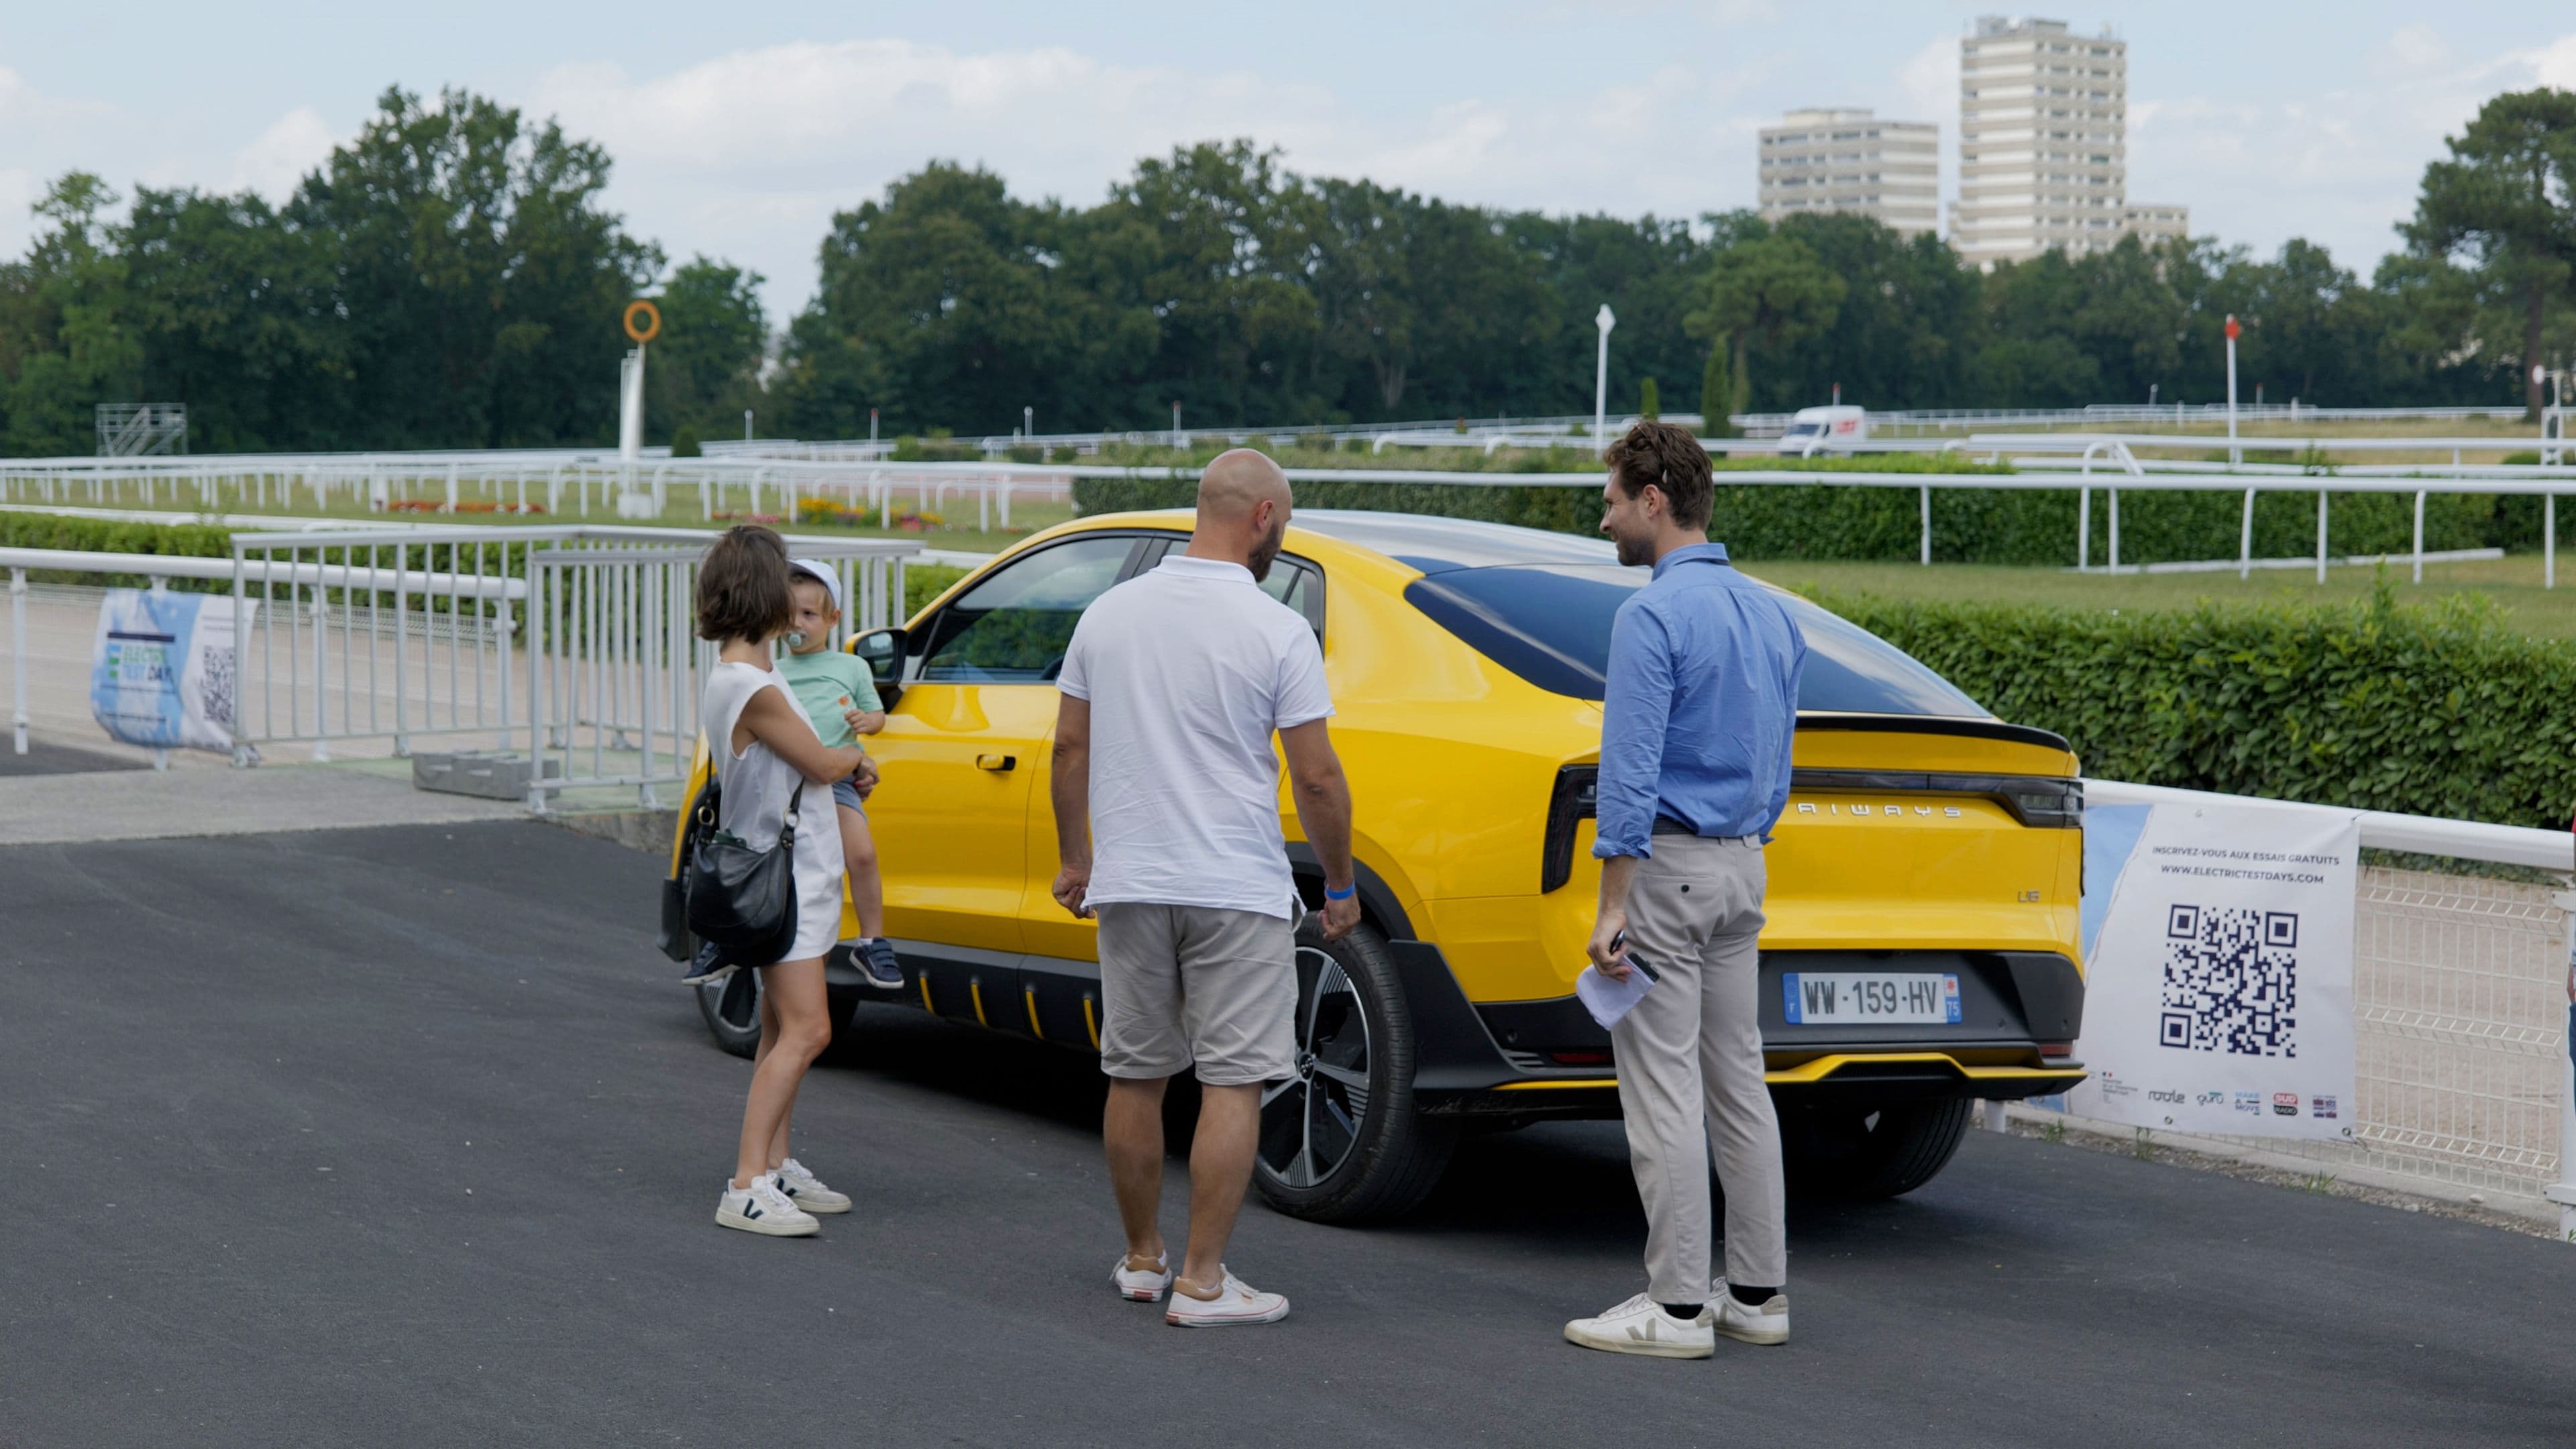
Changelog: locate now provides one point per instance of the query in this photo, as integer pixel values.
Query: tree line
(450, 278)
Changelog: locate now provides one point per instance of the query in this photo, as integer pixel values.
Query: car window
(1295, 582)
(1551, 626)
(1014, 625)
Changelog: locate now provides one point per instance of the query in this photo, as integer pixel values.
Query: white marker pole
(2233, 456)
(1601, 380)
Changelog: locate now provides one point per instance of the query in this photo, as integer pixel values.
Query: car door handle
(996, 762)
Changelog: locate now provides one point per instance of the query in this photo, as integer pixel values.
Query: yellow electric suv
(1924, 882)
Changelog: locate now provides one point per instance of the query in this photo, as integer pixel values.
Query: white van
(1822, 430)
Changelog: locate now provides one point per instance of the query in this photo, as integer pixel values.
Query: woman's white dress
(758, 786)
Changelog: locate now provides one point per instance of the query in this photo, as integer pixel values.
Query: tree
(481, 282)
(1650, 402)
(75, 343)
(1774, 289)
(705, 366)
(2504, 199)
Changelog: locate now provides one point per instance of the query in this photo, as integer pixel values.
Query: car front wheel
(1340, 1140)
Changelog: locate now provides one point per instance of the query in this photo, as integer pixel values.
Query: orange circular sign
(652, 326)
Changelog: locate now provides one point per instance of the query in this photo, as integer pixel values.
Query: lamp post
(2234, 457)
(1601, 379)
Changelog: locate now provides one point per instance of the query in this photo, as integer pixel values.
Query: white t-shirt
(1189, 668)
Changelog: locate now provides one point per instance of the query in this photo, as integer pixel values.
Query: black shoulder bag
(744, 900)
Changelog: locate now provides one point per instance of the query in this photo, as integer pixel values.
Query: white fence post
(18, 656)
(2419, 535)
(2563, 1191)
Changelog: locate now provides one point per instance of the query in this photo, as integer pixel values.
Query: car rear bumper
(2020, 1013)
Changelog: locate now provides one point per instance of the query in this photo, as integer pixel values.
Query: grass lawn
(2512, 582)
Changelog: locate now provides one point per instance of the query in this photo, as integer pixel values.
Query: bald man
(1176, 680)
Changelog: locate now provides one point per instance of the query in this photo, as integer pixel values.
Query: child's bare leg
(859, 852)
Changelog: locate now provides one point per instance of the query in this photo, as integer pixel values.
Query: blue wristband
(1345, 893)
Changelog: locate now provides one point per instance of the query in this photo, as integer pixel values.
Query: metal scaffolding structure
(142, 430)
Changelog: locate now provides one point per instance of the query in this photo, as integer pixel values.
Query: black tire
(1866, 1151)
(732, 1011)
(1340, 1140)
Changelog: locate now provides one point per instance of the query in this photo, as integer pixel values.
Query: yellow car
(1924, 882)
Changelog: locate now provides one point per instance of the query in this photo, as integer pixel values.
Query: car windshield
(1550, 624)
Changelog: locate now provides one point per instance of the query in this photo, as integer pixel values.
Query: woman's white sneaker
(807, 1191)
(1235, 1302)
(1765, 1323)
(762, 1208)
(1641, 1326)
(1141, 1285)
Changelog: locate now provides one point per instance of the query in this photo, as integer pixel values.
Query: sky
(737, 131)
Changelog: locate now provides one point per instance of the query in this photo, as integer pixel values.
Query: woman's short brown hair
(1666, 455)
(742, 586)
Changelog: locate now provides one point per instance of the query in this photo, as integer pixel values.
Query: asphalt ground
(407, 1136)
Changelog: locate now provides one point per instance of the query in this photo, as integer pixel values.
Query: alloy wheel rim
(1311, 1123)
(737, 999)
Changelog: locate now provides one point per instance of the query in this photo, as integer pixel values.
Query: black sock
(1683, 1311)
(1750, 1297)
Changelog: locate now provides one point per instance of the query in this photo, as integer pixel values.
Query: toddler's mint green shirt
(830, 684)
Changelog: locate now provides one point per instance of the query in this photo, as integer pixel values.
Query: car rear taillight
(2057, 1049)
(1580, 1059)
(1577, 792)
(2033, 800)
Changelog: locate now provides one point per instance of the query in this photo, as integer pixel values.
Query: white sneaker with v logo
(1641, 1326)
(763, 1208)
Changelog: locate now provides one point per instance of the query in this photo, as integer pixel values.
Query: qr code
(2231, 981)
(217, 686)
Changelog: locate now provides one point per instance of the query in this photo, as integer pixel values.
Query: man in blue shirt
(1695, 730)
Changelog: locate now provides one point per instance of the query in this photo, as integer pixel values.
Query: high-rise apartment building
(1849, 160)
(2043, 144)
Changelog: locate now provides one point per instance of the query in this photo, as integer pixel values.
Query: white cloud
(280, 157)
(747, 155)
(2338, 166)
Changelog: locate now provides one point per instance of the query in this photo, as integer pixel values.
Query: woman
(768, 761)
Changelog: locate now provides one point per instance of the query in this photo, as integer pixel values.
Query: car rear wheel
(1865, 1151)
(1340, 1140)
(732, 1011)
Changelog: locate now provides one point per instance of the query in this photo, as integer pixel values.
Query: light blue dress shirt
(1701, 704)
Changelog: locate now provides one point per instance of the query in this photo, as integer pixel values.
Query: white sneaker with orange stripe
(1234, 1301)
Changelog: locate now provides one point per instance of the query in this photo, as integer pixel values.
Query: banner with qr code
(163, 670)
(2218, 950)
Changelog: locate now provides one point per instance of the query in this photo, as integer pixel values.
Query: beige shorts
(1197, 985)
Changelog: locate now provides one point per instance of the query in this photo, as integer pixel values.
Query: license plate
(1812, 998)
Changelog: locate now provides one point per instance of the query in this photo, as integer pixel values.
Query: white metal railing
(400, 635)
(614, 666)
(2098, 414)
(314, 578)
(2462, 990)
(647, 488)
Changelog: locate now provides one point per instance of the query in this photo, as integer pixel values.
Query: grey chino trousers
(1690, 1068)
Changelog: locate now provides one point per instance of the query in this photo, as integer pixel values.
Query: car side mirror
(882, 651)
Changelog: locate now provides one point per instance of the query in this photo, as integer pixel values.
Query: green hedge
(2423, 710)
(1997, 526)
(99, 535)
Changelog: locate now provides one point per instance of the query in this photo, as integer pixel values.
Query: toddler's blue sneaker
(875, 959)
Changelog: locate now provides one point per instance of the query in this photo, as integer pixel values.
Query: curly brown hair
(1667, 457)
(742, 586)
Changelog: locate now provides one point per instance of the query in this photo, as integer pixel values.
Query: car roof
(1438, 545)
